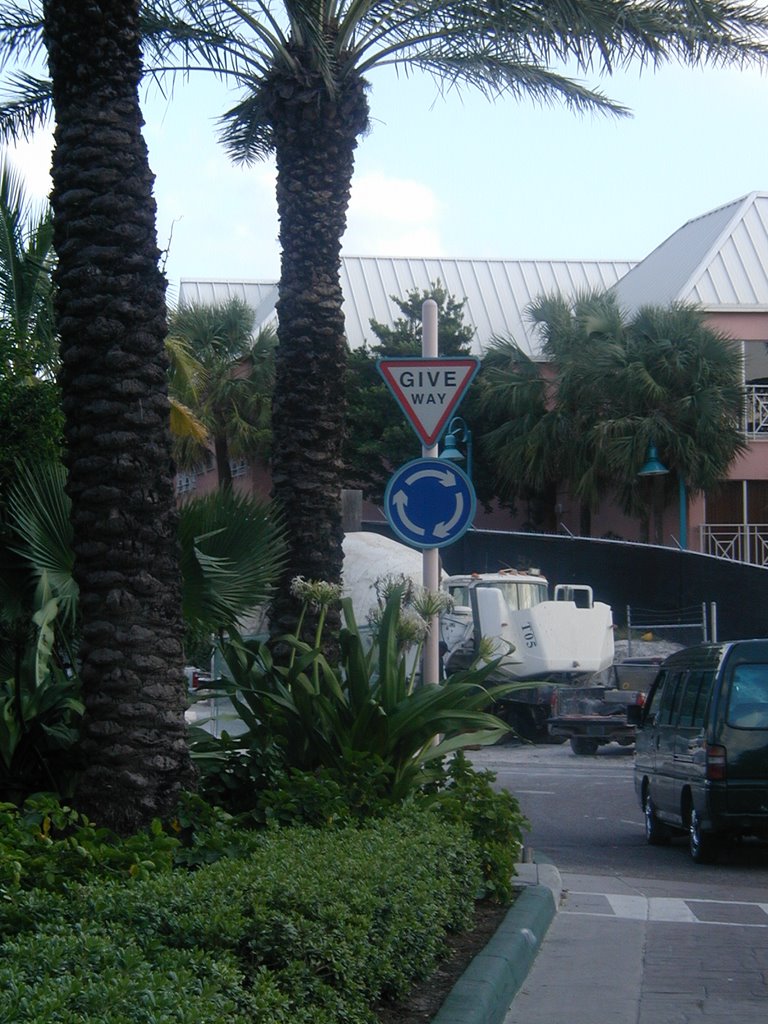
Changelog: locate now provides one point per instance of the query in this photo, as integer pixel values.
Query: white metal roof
(718, 261)
(497, 292)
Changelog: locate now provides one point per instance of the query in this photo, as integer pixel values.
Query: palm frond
(38, 515)
(232, 549)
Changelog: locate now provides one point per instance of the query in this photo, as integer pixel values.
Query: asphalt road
(586, 819)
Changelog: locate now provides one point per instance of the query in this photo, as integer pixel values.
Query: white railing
(755, 422)
(739, 542)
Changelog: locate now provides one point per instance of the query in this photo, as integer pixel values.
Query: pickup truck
(590, 716)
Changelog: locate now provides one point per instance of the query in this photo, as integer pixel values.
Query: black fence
(664, 580)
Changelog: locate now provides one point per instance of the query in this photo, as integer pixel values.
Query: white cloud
(391, 216)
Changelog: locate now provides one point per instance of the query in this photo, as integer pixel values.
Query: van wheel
(702, 845)
(583, 745)
(656, 833)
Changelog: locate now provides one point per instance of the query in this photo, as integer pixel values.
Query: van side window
(670, 698)
(748, 700)
(694, 701)
(654, 698)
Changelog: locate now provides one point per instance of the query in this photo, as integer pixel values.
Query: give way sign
(428, 390)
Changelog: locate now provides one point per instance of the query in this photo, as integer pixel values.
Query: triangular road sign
(428, 390)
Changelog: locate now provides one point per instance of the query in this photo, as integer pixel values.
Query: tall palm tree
(304, 67)
(225, 375)
(110, 308)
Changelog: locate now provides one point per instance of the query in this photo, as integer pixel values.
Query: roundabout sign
(429, 504)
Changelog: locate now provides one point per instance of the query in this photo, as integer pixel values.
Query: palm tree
(110, 309)
(304, 67)
(619, 384)
(225, 376)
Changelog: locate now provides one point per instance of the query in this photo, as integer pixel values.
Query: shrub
(493, 818)
(46, 845)
(312, 926)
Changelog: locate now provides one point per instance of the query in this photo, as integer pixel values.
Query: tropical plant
(40, 707)
(619, 383)
(28, 344)
(225, 376)
(231, 549)
(364, 716)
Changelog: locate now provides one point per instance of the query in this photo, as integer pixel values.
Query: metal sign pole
(431, 556)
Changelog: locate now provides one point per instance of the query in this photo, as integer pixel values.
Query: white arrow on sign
(400, 501)
(428, 390)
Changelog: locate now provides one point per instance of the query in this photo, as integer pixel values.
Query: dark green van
(701, 752)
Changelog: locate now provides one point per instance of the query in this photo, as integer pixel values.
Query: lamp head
(451, 451)
(652, 465)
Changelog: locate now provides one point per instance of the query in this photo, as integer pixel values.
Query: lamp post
(458, 430)
(653, 466)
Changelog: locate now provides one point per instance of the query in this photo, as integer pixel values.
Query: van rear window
(748, 699)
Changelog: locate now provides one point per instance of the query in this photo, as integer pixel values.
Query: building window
(238, 467)
(186, 482)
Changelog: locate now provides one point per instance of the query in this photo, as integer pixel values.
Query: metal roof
(718, 261)
(497, 292)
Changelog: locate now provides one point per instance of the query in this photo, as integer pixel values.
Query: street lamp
(654, 467)
(458, 431)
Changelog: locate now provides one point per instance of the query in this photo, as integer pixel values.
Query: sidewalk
(614, 954)
(580, 949)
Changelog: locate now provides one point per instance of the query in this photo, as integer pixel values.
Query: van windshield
(748, 701)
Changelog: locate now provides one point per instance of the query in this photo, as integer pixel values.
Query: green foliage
(364, 713)
(40, 707)
(31, 425)
(225, 376)
(44, 845)
(620, 383)
(311, 926)
(493, 818)
(28, 346)
(232, 548)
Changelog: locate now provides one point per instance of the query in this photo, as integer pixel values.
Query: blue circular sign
(429, 503)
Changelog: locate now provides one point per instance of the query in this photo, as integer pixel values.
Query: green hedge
(313, 927)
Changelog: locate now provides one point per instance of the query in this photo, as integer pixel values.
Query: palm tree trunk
(111, 320)
(223, 468)
(315, 139)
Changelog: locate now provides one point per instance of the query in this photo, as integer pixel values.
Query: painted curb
(484, 992)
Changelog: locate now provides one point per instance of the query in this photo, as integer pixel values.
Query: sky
(460, 176)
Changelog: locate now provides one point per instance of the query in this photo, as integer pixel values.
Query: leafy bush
(312, 927)
(45, 845)
(493, 818)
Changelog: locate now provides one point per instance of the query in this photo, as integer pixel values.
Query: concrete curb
(485, 991)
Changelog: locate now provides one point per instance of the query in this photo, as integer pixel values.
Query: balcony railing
(755, 422)
(739, 542)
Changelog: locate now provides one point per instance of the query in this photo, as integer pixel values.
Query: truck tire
(583, 745)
